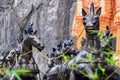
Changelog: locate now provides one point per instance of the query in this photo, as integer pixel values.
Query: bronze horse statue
(25, 58)
(65, 48)
(92, 44)
(91, 23)
(3, 61)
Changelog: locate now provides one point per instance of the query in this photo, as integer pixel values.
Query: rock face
(52, 19)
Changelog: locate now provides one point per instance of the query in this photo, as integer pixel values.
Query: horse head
(91, 20)
(30, 38)
(106, 41)
(11, 55)
(3, 56)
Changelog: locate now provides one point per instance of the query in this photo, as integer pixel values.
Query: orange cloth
(110, 16)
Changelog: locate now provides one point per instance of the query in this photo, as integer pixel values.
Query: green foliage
(73, 65)
(100, 33)
(21, 71)
(17, 76)
(96, 75)
(89, 59)
(110, 60)
(8, 72)
(66, 58)
(112, 37)
(108, 54)
(17, 72)
(102, 69)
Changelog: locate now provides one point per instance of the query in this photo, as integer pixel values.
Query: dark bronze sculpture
(91, 24)
(24, 53)
(92, 44)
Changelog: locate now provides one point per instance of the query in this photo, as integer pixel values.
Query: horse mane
(30, 28)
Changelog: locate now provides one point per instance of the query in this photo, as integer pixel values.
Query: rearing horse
(25, 59)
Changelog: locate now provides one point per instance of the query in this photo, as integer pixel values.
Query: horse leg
(72, 75)
(38, 74)
(88, 70)
(13, 77)
(35, 67)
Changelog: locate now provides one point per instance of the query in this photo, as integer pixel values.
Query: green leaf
(73, 65)
(108, 54)
(17, 72)
(102, 69)
(112, 37)
(21, 71)
(8, 72)
(90, 57)
(100, 35)
(17, 76)
(66, 58)
(84, 73)
(111, 61)
(95, 75)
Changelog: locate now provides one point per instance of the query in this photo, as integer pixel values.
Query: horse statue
(25, 58)
(92, 44)
(91, 24)
(3, 61)
(95, 45)
(63, 49)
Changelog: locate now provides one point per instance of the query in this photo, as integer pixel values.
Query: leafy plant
(110, 60)
(108, 54)
(73, 65)
(89, 59)
(96, 75)
(102, 69)
(17, 72)
(66, 58)
(112, 37)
